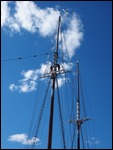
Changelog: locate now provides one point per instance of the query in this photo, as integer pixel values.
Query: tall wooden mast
(79, 121)
(53, 78)
(78, 112)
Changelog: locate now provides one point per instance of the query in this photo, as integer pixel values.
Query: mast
(53, 78)
(78, 112)
(79, 121)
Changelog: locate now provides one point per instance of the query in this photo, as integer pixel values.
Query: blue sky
(94, 52)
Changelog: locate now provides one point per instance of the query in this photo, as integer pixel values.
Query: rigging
(21, 58)
(55, 70)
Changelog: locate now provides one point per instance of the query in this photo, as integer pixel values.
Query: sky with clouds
(28, 29)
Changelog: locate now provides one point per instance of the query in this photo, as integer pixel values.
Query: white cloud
(73, 36)
(47, 22)
(27, 86)
(23, 139)
(4, 12)
(30, 74)
(6, 18)
(29, 81)
(67, 66)
(27, 15)
(13, 87)
(45, 68)
(61, 81)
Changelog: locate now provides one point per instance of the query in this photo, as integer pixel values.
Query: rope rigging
(60, 111)
(82, 139)
(69, 114)
(73, 138)
(20, 58)
(41, 113)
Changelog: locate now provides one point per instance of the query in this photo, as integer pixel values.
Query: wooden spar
(78, 112)
(53, 78)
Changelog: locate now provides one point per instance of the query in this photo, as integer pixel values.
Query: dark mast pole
(78, 112)
(53, 78)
